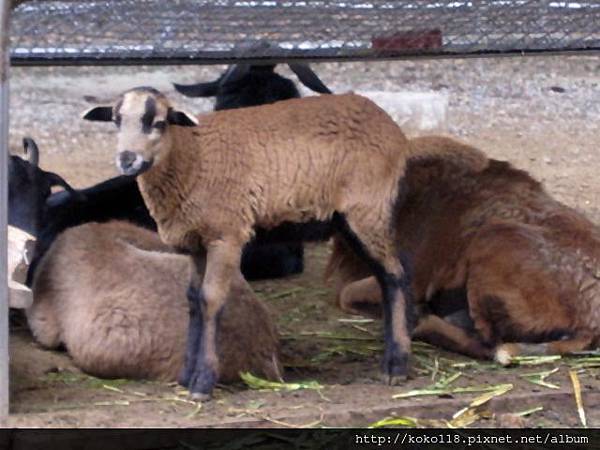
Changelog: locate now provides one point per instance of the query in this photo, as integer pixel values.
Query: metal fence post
(4, 70)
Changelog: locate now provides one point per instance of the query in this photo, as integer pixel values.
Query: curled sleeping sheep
(115, 296)
(333, 162)
(500, 267)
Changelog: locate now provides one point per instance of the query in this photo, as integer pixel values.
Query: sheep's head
(143, 116)
(28, 189)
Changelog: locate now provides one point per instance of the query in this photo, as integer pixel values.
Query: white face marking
(139, 143)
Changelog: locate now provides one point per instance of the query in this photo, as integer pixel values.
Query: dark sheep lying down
(119, 198)
(500, 268)
(115, 296)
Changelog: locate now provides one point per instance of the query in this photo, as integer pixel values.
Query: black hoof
(184, 377)
(201, 384)
(393, 380)
(395, 365)
(200, 397)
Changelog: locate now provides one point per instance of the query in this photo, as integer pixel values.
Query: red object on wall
(408, 41)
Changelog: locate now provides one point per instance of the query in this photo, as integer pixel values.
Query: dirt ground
(541, 113)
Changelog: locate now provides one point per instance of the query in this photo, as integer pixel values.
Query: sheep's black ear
(308, 78)
(209, 89)
(99, 113)
(181, 118)
(235, 73)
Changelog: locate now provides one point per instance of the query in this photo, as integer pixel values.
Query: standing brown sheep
(522, 265)
(115, 296)
(211, 182)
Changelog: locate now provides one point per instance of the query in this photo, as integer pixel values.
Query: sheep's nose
(126, 159)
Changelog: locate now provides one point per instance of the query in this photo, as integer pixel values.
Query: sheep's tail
(504, 353)
(448, 149)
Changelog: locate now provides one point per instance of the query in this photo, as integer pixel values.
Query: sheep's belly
(292, 214)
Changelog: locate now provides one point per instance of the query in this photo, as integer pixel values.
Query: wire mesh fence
(182, 31)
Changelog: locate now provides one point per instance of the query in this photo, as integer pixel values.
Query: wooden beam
(4, 70)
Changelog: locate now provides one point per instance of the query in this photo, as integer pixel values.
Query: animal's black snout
(126, 159)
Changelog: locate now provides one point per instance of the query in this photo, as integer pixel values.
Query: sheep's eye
(160, 125)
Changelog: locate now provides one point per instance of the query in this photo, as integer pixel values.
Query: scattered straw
(291, 425)
(534, 360)
(195, 411)
(283, 294)
(529, 411)
(359, 321)
(254, 382)
(395, 422)
(539, 378)
(447, 391)
(337, 336)
(408, 422)
(472, 413)
(113, 388)
(446, 381)
(578, 400)
(113, 403)
(363, 329)
(467, 416)
(583, 362)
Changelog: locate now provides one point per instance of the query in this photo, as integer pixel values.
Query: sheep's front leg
(194, 333)
(195, 302)
(222, 262)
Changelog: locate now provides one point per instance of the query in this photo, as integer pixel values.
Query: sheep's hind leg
(398, 316)
(361, 297)
(222, 262)
(504, 353)
(441, 333)
(380, 252)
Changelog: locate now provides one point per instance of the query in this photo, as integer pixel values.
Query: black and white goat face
(143, 116)
(28, 188)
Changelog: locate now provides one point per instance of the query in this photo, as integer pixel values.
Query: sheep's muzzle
(132, 163)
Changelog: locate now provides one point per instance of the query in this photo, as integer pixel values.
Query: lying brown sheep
(211, 182)
(493, 239)
(115, 296)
